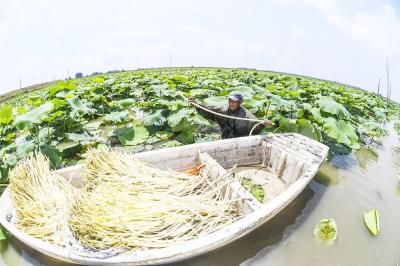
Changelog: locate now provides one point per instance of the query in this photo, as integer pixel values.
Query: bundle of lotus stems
(124, 203)
(41, 199)
(128, 204)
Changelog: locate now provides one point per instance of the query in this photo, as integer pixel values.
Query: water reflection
(398, 189)
(3, 246)
(31, 256)
(396, 155)
(344, 162)
(10, 254)
(266, 235)
(328, 175)
(366, 156)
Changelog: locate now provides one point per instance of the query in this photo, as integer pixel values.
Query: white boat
(290, 161)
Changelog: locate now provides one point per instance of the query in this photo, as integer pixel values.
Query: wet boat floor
(260, 175)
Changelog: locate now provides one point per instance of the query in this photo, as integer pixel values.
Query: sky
(344, 41)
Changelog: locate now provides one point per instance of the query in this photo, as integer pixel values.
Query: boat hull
(295, 157)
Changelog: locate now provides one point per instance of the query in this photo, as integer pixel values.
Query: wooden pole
(387, 80)
(379, 83)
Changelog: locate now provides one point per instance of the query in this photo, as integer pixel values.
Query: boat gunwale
(182, 250)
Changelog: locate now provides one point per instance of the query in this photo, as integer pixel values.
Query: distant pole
(68, 73)
(170, 59)
(54, 76)
(379, 83)
(170, 62)
(387, 79)
(20, 83)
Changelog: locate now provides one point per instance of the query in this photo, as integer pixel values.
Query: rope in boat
(226, 116)
(219, 114)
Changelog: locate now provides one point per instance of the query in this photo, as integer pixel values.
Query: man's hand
(266, 122)
(191, 100)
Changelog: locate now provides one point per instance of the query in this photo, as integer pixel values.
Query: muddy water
(343, 190)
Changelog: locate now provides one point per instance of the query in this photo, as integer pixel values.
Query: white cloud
(322, 5)
(240, 50)
(132, 33)
(333, 39)
(297, 32)
(15, 13)
(379, 30)
(192, 29)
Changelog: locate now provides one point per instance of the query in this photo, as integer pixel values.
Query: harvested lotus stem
(129, 204)
(41, 200)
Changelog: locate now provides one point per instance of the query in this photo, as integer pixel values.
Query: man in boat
(230, 127)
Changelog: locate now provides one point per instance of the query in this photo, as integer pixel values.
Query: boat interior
(272, 164)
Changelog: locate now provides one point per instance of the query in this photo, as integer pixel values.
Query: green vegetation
(3, 233)
(142, 110)
(10, 96)
(326, 229)
(371, 219)
(256, 190)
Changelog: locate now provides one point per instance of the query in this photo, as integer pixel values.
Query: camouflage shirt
(232, 128)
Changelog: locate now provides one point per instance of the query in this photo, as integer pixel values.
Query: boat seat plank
(249, 202)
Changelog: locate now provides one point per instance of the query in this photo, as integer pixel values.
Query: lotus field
(143, 110)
